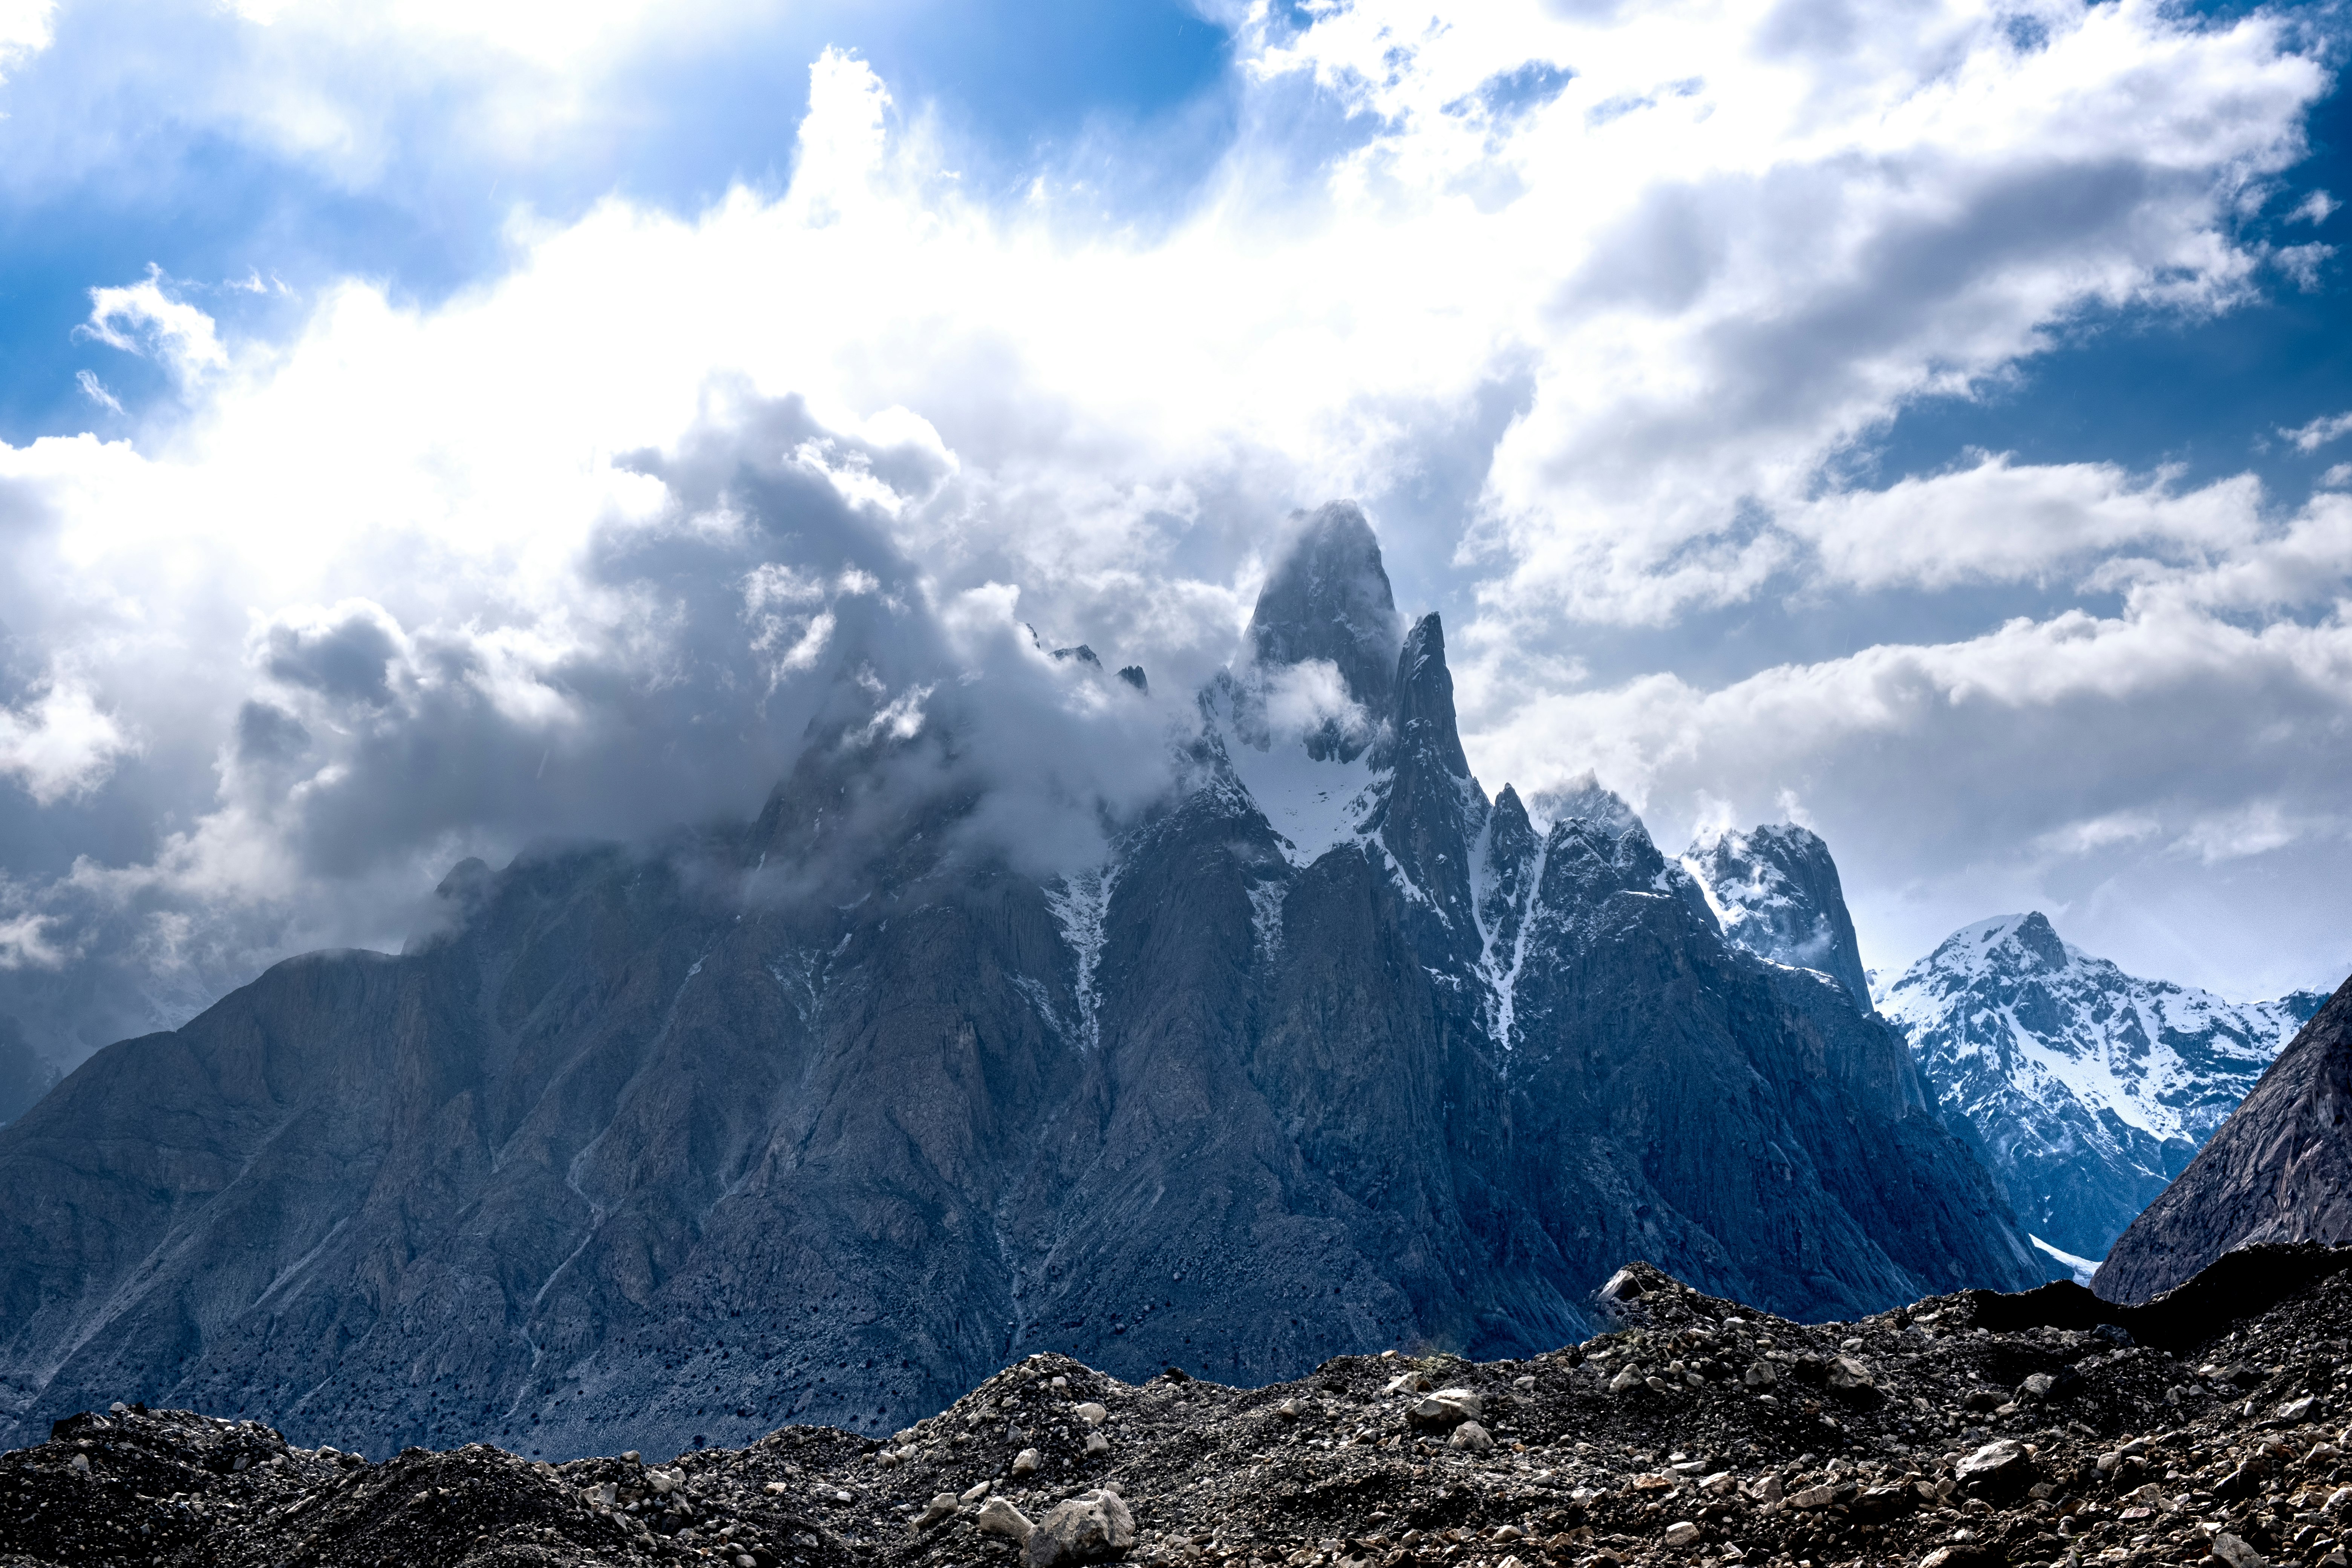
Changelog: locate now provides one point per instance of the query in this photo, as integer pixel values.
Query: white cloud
(60, 743)
(95, 390)
(26, 29)
(2314, 208)
(1997, 522)
(140, 319)
(2319, 432)
(662, 475)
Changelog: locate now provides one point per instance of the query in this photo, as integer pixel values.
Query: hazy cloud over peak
(1607, 317)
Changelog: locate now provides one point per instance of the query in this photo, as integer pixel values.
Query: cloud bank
(1600, 312)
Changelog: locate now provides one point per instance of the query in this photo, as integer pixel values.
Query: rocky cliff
(827, 1116)
(2279, 1170)
(2087, 1088)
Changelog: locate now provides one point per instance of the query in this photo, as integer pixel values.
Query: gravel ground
(1697, 1432)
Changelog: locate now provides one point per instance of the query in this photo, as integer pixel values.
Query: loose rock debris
(1697, 1432)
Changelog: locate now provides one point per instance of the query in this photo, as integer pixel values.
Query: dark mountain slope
(2279, 1170)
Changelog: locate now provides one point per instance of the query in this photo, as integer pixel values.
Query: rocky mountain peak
(1434, 809)
(1425, 725)
(2089, 1089)
(1776, 891)
(1587, 799)
(2017, 945)
(1328, 598)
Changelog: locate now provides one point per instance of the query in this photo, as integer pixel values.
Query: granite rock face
(826, 1117)
(2279, 1170)
(2086, 1089)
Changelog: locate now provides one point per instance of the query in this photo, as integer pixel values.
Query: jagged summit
(2015, 944)
(1587, 798)
(1329, 600)
(2089, 1089)
(1776, 891)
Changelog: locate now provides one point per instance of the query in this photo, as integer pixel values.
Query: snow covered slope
(2086, 1089)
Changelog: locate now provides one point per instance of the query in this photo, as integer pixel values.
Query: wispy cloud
(95, 390)
(2319, 432)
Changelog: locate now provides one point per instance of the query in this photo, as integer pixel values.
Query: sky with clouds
(426, 428)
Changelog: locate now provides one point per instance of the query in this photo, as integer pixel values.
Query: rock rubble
(1965, 1431)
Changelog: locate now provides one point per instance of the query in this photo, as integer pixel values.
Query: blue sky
(1882, 420)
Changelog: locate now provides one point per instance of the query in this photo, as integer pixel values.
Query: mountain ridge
(2089, 1088)
(827, 1115)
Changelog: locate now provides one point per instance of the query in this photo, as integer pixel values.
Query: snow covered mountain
(1776, 891)
(2087, 1089)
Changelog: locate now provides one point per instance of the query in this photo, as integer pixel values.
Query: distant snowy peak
(2090, 1088)
(1776, 891)
(2169, 1059)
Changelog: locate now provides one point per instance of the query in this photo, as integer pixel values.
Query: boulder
(1093, 1527)
(1001, 1518)
(1446, 1408)
(1999, 1468)
(1470, 1437)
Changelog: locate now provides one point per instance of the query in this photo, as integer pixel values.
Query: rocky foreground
(1964, 1430)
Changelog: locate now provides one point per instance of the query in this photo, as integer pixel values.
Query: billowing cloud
(1599, 311)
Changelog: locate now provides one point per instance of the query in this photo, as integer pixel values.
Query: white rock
(1001, 1518)
(1470, 1437)
(1093, 1414)
(1026, 1461)
(970, 1494)
(1682, 1532)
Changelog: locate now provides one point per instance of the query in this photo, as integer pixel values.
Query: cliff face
(2279, 1170)
(827, 1117)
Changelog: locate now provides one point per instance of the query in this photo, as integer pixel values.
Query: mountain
(1776, 893)
(2279, 1170)
(827, 1115)
(2086, 1089)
